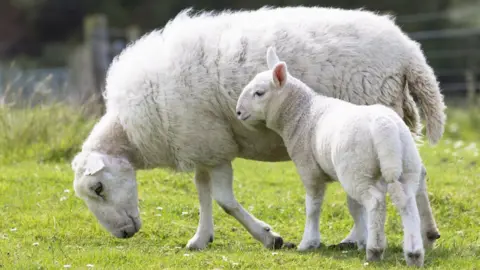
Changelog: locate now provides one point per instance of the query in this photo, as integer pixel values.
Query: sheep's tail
(423, 85)
(387, 144)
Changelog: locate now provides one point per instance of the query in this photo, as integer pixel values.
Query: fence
(83, 78)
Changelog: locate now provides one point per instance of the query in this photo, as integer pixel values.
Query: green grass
(44, 226)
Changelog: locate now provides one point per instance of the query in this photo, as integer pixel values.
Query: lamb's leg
(204, 233)
(429, 227)
(358, 234)
(222, 177)
(403, 197)
(315, 191)
(374, 202)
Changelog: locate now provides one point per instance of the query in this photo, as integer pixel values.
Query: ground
(44, 226)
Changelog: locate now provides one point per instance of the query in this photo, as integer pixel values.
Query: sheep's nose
(239, 113)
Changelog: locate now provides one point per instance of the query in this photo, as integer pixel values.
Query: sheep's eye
(98, 188)
(259, 94)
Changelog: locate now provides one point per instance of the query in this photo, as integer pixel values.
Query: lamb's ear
(280, 74)
(272, 58)
(94, 164)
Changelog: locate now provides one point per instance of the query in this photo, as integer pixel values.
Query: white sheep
(368, 149)
(171, 97)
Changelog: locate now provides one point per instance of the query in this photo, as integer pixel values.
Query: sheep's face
(108, 186)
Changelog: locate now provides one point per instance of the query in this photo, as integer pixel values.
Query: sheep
(368, 149)
(171, 95)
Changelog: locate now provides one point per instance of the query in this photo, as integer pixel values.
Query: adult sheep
(171, 96)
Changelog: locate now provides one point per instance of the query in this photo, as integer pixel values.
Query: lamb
(171, 96)
(368, 149)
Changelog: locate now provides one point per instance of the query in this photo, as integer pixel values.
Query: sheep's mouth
(245, 117)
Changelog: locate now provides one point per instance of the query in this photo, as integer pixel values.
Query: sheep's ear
(280, 74)
(272, 58)
(94, 164)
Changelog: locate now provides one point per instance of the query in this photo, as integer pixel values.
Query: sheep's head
(256, 96)
(108, 186)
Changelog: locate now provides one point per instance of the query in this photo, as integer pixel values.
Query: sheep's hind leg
(429, 227)
(222, 181)
(204, 234)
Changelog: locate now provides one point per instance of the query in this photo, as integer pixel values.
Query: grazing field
(44, 226)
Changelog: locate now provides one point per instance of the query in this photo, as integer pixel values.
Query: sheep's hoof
(415, 258)
(197, 243)
(344, 246)
(309, 245)
(375, 254)
(430, 238)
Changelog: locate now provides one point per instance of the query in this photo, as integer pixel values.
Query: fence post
(97, 42)
(471, 85)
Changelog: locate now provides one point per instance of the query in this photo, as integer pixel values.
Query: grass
(44, 226)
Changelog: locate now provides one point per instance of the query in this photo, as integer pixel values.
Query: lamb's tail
(387, 144)
(423, 85)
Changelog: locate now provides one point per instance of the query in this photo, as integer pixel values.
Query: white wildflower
(67, 266)
(159, 208)
(184, 213)
(90, 265)
(13, 229)
(66, 191)
(35, 244)
(453, 127)
(458, 144)
(63, 198)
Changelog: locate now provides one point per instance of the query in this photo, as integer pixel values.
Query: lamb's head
(108, 186)
(262, 90)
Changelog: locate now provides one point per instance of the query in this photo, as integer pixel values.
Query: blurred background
(57, 52)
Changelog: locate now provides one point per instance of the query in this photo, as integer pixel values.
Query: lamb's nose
(239, 113)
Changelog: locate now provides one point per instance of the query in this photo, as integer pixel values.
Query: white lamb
(368, 149)
(171, 97)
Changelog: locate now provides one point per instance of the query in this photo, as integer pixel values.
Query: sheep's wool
(174, 90)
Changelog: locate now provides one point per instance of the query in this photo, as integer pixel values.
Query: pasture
(44, 226)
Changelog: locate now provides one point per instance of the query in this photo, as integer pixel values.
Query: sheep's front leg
(222, 180)
(204, 234)
(315, 191)
(429, 227)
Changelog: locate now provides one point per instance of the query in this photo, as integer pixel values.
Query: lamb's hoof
(309, 245)
(199, 243)
(415, 258)
(375, 254)
(289, 245)
(344, 246)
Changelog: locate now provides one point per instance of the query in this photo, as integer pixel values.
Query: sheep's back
(175, 89)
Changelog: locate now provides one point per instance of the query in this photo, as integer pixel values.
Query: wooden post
(132, 33)
(96, 40)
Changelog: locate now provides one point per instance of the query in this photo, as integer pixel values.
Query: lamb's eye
(98, 188)
(258, 94)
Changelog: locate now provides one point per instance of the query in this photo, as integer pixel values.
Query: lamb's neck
(108, 137)
(291, 116)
